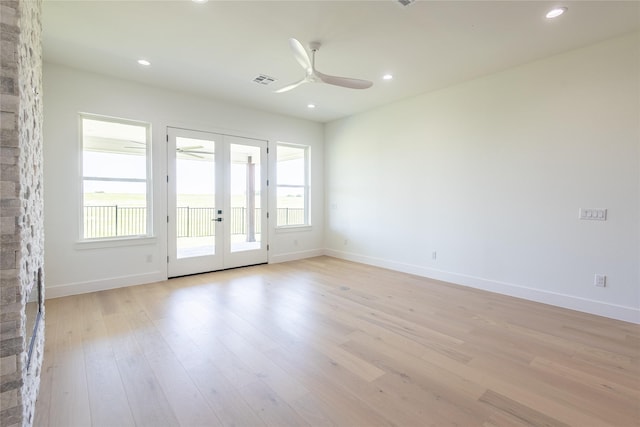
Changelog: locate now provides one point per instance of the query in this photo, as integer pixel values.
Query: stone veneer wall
(21, 205)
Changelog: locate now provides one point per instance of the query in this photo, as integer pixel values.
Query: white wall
(490, 174)
(71, 269)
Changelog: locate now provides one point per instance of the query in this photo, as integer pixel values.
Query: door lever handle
(217, 219)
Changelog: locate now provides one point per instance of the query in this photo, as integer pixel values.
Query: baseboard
(140, 279)
(613, 311)
(293, 256)
(103, 285)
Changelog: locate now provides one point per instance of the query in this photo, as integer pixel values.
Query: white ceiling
(217, 48)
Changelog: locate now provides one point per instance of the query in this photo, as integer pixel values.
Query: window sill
(293, 228)
(114, 242)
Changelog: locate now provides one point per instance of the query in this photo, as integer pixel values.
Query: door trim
(223, 257)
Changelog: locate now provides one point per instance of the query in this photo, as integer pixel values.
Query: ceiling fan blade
(292, 86)
(301, 55)
(344, 81)
(196, 152)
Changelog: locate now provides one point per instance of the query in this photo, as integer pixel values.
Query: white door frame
(225, 254)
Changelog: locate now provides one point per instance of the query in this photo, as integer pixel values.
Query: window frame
(306, 187)
(109, 241)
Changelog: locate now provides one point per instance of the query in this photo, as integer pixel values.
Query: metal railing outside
(290, 216)
(116, 221)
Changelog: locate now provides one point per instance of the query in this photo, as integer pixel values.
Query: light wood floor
(328, 342)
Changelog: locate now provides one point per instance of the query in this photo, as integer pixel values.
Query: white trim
(293, 228)
(114, 242)
(103, 285)
(613, 311)
(148, 180)
(293, 256)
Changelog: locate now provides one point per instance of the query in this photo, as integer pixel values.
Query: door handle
(217, 219)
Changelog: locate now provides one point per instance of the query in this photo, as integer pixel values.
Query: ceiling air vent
(405, 2)
(263, 79)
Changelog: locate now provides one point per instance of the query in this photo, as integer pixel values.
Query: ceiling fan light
(554, 13)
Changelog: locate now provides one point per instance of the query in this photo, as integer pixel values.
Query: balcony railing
(113, 221)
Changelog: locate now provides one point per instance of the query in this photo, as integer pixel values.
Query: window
(115, 177)
(293, 185)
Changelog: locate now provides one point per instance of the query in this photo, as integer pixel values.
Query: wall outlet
(434, 255)
(600, 280)
(149, 258)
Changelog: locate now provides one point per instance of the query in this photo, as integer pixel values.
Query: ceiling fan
(192, 151)
(315, 76)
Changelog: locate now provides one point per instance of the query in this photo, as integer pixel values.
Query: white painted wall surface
(490, 174)
(71, 269)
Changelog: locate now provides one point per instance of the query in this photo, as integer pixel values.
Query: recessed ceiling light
(311, 106)
(144, 62)
(200, 1)
(387, 77)
(554, 13)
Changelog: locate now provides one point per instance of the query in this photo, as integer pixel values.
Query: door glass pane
(195, 191)
(245, 216)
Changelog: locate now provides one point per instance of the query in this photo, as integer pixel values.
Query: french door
(217, 201)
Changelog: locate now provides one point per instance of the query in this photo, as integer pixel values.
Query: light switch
(592, 214)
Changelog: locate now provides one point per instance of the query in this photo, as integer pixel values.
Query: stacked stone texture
(21, 204)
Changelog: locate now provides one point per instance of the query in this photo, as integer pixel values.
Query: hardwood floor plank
(41, 416)
(107, 398)
(415, 402)
(521, 412)
(327, 342)
(599, 404)
(123, 340)
(604, 398)
(393, 359)
(337, 390)
(223, 396)
(270, 407)
(70, 396)
(502, 382)
(597, 382)
(146, 398)
(264, 369)
(441, 390)
(503, 419)
(184, 397)
(311, 410)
